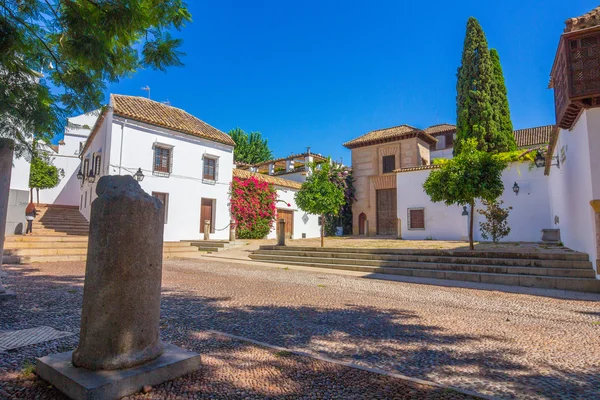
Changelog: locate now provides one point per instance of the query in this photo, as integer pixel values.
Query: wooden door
(206, 213)
(386, 212)
(362, 221)
(288, 216)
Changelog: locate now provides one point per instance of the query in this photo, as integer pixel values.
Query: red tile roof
(588, 20)
(244, 174)
(389, 135)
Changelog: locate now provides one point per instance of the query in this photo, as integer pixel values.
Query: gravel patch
(502, 344)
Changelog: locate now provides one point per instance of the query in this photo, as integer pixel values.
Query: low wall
(530, 214)
(15, 219)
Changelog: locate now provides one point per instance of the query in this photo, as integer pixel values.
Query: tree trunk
(31, 195)
(322, 230)
(471, 219)
(37, 193)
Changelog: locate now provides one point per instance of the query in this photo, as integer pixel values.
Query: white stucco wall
(134, 149)
(304, 223)
(18, 196)
(530, 213)
(576, 182)
(67, 159)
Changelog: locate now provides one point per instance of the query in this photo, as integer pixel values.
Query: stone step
(207, 243)
(58, 232)
(378, 259)
(563, 255)
(497, 269)
(548, 282)
(188, 249)
(46, 252)
(60, 222)
(45, 245)
(53, 258)
(177, 244)
(183, 254)
(209, 249)
(45, 238)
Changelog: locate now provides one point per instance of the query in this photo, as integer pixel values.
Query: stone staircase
(212, 246)
(566, 270)
(60, 221)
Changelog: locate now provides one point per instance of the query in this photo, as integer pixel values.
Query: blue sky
(319, 73)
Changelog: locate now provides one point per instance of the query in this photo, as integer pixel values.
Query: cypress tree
(505, 140)
(474, 109)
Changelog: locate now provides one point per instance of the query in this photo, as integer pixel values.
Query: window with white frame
(97, 164)
(416, 218)
(163, 160)
(210, 168)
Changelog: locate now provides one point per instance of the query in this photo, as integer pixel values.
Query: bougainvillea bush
(253, 207)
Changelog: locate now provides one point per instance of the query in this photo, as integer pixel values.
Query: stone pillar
(232, 230)
(206, 229)
(289, 165)
(399, 225)
(596, 206)
(121, 297)
(281, 232)
(6, 159)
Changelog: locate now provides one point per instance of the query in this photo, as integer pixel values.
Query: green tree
(470, 175)
(496, 220)
(505, 139)
(250, 149)
(319, 195)
(474, 108)
(56, 57)
(42, 175)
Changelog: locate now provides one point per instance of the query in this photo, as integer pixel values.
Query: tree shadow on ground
(391, 339)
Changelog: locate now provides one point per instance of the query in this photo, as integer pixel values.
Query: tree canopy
(478, 96)
(250, 149)
(472, 174)
(57, 56)
(505, 138)
(320, 194)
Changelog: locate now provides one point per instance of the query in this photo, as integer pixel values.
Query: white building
(18, 196)
(65, 157)
(185, 162)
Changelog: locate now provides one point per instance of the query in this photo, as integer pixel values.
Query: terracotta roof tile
(243, 174)
(420, 168)
(153, 112)
(388, 135)
(533, 136)
(440, 129)
(588, 20)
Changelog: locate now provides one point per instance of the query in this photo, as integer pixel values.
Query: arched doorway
(362, 221)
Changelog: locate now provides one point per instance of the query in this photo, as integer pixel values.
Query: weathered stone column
(596, 206)
(232, 230)
(121, 298)
(281, 232)
(6, 159)
(206, 229)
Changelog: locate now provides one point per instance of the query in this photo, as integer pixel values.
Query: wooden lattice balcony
(576, 75)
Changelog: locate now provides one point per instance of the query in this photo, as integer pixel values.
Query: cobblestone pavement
(502, 344)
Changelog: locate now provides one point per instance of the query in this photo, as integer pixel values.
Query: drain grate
(25, 337)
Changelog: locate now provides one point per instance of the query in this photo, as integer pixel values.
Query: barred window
(97, 164)
(416, 218)
(163, 160)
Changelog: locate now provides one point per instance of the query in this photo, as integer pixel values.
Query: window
(441, 143)
(97, 164)
(163, 160)
(389, 164)
(416, 218)
(81, 203)
(164, 198)
(210, 168)
(449, 140)
(86, 167)
(85, 202)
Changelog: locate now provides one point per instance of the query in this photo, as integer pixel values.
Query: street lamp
(516, 188)
(91, 176)
(139, 175)
(80, 175)
(540, 160)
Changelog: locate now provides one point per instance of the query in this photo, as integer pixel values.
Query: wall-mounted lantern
(80, 175)
(139, 175)
(540, 160)
(465, 212)
(91, 176)
(516, 188)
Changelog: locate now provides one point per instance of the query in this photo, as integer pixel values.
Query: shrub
(496, 224)
(253, 207)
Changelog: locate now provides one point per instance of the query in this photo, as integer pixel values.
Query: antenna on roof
(308, 150)
(166, 102)
(147, 89)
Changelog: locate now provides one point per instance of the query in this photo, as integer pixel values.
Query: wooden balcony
(575, 75)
